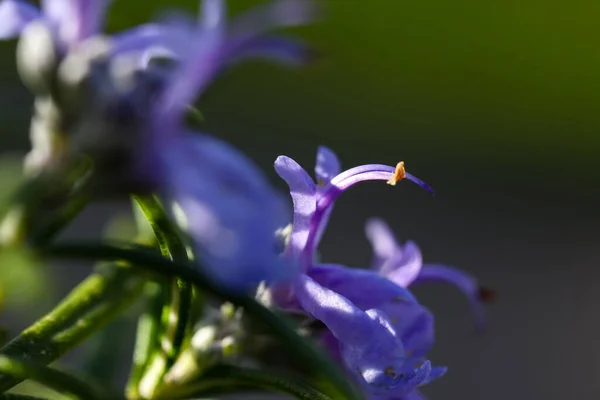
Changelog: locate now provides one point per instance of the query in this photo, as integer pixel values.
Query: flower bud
(37, 57)
(48, 142)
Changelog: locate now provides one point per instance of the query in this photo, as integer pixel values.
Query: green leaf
(298, 347)
(85, 310)
(230, 377)
(57, 380)
(174, 322)
(146, 343)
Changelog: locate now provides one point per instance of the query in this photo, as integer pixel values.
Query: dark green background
(494, 103)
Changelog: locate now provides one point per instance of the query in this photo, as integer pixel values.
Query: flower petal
(264, 18)
(75, 20)
(282, 50)
(229, 209)
(303, 192)
(462, 280)
(405, 266)
(364, 288)
(349, 324)
(14, 16)
(395, 383)
(383, 241)
(200, 58)
(414, 324)
(328, 165)
(436, 372)
(214, 14)
(148, 38)
(369, 346)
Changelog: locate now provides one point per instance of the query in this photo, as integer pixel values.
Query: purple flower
(313, 203)
(72, 21)
(229, 209)
(213, 191)
(404, 266)
(363, 311)
(416, 331)
(226, 203)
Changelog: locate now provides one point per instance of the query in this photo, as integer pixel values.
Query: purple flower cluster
(216, 193)
(375, 326)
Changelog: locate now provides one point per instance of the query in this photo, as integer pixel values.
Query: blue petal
(276, 14)
(149, 38)
(364, 288)
(436, 372)
(328, 165)
(326, 168)
(462, 280)
(285, 51)
(75, 20)
(383, 241)
(303, 192)
(14, 16)
(229, 209)
(414, 324)
(200, 56)
(405, 266)
(349, 324)
(369, 346)
(214, 14)
(396, 382)
(205, 52)
(400, 264)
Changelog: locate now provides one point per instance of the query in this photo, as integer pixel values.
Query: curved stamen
(343, 181)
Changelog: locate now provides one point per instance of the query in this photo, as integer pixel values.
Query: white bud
(37, 57)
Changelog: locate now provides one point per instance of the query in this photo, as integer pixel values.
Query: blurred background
(492, 103)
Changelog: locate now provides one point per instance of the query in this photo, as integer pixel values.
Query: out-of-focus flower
(404, 266)
(229, 209)
(134, 127)
(47, 34)
(227, 204)
(62, 53)
(115, 100)
(135, 106)
(362, 310)
(71, 21)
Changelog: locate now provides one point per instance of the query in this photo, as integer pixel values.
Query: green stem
(181, 291)
(176, 311)
(56, 380)
(226, 376)
(145, 343)
(87, 308)
(299, 347)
